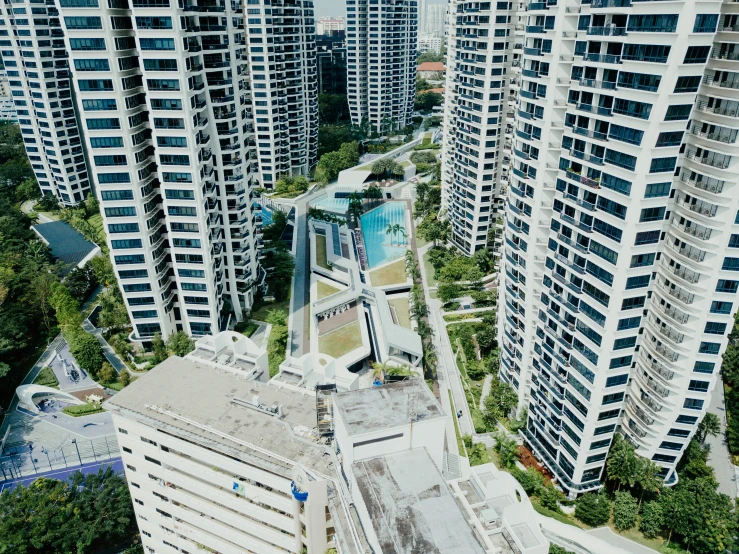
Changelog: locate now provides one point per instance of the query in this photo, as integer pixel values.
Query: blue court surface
(63, 474)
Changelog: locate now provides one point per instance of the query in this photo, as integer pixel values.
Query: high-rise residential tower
(434, 20)
(619, 280)
(479, 65)
(284, 76)
(381, 62)
(169, 105)
(35, 57)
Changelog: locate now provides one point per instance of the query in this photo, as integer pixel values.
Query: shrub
(593, 509)
(531, 480)
(550, 497)
(180, 344)
(651, 519)
(107, 374)
(276, 346)
(625, 510)
(80, 410)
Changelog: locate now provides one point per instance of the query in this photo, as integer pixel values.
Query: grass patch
(429, 269)
(276, 348)
(263, 311)
(562, 518)
(342, 340)
(460, 443)
(46, 378)
(114, 386)
(391, 274)
(80, 410)
(321, 258)
(325, 290)
(402, 311)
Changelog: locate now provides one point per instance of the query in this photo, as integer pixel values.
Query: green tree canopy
(593, 509)
(180, 344)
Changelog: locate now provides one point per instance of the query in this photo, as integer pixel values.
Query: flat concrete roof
(204, 395)
(411, 508)
(388, 406)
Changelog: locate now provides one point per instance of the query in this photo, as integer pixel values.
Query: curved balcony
(686, 274)
(676, 292)
(642, 415)
(702, 182)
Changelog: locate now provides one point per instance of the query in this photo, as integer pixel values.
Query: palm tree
(389, 231)
(373, 193)
(396, 227)
(709, 425)
(401, 230)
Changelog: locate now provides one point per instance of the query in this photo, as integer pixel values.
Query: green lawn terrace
(350, 316)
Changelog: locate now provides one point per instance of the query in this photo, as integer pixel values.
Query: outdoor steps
(451, 465)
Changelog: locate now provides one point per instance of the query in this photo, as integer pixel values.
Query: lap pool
(377, 241)
(335, 205)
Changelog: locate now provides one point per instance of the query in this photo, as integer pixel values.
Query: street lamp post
(74, 442)
(47, 456)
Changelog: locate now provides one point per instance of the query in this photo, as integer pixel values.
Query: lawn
(263, 311)
(402, 311)
(321, 258)
(341, 341)
(80, 410)
(391, 274)
(429, 269)
(46, 378)
(325, 290)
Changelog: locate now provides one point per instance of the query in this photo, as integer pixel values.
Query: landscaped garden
(321, 257)
(401, 306)
(341, 341)
(324, 289)
(46, 378)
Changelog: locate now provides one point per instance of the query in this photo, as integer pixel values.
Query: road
(719, 458)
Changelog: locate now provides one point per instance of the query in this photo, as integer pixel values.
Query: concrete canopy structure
(30, 395)
(66, 243)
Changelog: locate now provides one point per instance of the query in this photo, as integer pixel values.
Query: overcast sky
(337, 8)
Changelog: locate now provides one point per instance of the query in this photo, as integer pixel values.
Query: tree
(159, 349)
(709, 425)
(113, 314)
(107, 374)
(332, 108)
(429, 56)
(92, 206)
(651, 519)
(373, 192)
(625, 510)
(648, 478)
(28, 190)
(180, 344)
(280, 273)
(449, 291)
(355, 206)
(501, 400)
(622, 464)
(104, 272)
(277, 317)
(551, 497)
(332, 163)
(80, 282)
(531, 480)
(87, 351)
(87, 514)
(506, 448)
(427, 101)
(593, 509)
(4, 369)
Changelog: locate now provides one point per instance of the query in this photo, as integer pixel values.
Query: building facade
(284, 76)
(331, 62)
(434, 20)
(619, 280)
(381, 62)
(476, 113)
(430, 44)
(166, 102)
(330, 26)
(36, 60)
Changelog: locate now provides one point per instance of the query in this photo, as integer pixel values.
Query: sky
(337, 8)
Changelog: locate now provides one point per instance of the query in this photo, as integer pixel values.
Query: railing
(607, 31)
(709, 184)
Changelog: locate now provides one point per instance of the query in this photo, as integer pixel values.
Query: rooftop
(431, 66)
(377, 408)
(65, 242)
(411, 508)
(214, 401)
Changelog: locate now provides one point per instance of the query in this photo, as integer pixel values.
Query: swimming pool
(335, 205)
(374, 230)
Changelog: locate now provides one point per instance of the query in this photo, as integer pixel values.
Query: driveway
(718, 457)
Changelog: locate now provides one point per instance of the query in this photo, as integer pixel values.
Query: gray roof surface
(204, 395)
(411, 508)
(378, 408)
(65, 242)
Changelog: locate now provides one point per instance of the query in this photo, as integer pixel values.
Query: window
(628, 323)
(596, 294)
(604, 252)
(600, 273)
(158, 64)
(126, 243)
(157, 43)
(91, 22)
(163, 84)
(705, 23)
(657, 190)
(653, 23)
(619, 159)
(607, 230)
(719, 307)
(617, 380)
(671, 138)
(652, 214)
(116, 195)
(166, 104)
(632, 108)
(623, 361)
(680, 433)
(124, 211)
(106, 142)
(152, 460)
(708, 348)
(646, 237)
(103, 123)
(632, 303)
(87, 43)
(704, 367)
(715, 328)
(92, 65)
(730, 264)
(663, 165)
(625, 342)
(725, 285)
(642, 260)
(687, 84)
(153, 22)
(102, 104)
(678, 112)
(734, 241)
(698, 386)
(639, 81)
(604, 430)
(613, 398)
(693, 404)
(613, 208)
(95, 85)
(697, 54)
(687, 420)
(664, 459)
(625, 134)
(610, 414)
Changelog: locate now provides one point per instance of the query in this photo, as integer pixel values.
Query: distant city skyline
(337, 8)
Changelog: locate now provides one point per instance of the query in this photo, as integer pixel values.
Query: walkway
(300, 297)
(719, 458)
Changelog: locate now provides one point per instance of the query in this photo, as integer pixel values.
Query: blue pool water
(266, 216)
(376, 239)
(335, 205)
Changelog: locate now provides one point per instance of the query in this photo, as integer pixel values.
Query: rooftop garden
(321, 256)
(391, 274)
(341, 341)
(324, 289)
(401, 306)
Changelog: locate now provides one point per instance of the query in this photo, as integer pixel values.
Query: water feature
(382, 247)
(334, 205)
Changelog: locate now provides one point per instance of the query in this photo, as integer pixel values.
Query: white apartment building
(430, 44)
(434, 20)
(330, 25)
(164, 96)
(217, 462)
(36, 61)
(381, 62)
(284, 75)
(480, 69)
(619, 284)
(4, 85)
